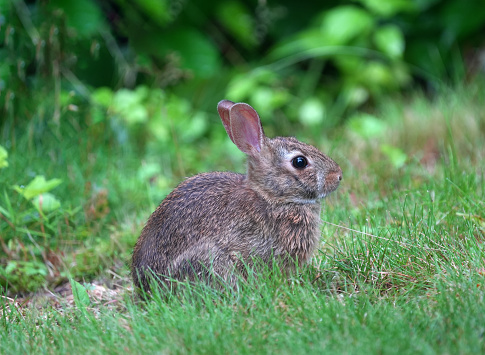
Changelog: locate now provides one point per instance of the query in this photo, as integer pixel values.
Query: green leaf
(159, 128)
(5, 5)
(312, 112)
(238, 22)
(367, 126)
(98, 114)
(242, 86)
(102, 96)
(187, 47)
(130, 105)
(147, 171)
(37, 186)
(389, 8)
(46, 202)
(377, 76)
(34, 268)
(84, 16)
(3, 157)
(81, 296)
(355, 95)
(395, 155)
(343, 23)
(11, 266)
(197, 53)
(390, 40)
(158, 10)
(194, 127)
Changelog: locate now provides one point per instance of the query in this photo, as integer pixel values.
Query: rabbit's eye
(299, 162)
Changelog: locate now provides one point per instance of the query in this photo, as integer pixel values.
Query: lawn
(400, 268)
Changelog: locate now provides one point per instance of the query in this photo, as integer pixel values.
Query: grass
(294, 317)
(401, 267)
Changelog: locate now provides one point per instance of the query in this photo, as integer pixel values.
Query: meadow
(400, 268)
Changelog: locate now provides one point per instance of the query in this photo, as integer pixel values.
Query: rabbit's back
(192, 223)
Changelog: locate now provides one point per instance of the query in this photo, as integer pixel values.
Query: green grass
(294, 317)
(401, 267)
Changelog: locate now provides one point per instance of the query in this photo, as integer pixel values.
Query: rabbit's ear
(245, 126)
(223, 108)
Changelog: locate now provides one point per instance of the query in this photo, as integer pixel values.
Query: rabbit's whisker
(375, 236)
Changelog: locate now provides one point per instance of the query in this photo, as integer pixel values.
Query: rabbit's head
(281, 169)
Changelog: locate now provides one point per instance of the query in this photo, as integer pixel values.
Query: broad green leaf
(5, 5)
(37, 186)
(344, 23)
(395, 155)
(158, 10)
(367, 126)
(197, 52)
(159, 127)
(11, 266)
(389, 8)
(81, 296)
(34, 268)
(267, 99)
(147, 171)
(3, 157)
(84, 16)
(190, 48)
(242, 86)
(129, 104)
(261, 98)
(238, 21)
(102, 96)
(194, 127)
(377, 75)
(312, 112)
(355, 95)
(46, 202)
(98, 114)
(390, 40)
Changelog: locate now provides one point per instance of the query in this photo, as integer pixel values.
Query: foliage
(3, 157)
(316, 60)
(81, 296)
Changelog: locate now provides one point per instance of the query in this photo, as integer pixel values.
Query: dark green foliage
(313, 60)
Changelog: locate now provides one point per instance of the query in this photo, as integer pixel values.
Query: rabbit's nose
(338, 174)
(334, 178)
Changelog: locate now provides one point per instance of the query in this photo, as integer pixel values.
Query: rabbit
(215, 223)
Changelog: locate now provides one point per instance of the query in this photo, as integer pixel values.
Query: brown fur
(212, 221)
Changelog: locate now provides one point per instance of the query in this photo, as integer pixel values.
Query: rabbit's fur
(214, 223)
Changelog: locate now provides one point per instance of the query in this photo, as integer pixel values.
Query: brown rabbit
(214, 223)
